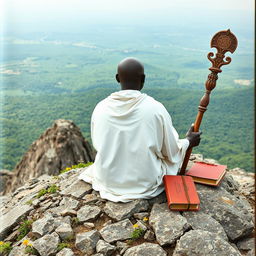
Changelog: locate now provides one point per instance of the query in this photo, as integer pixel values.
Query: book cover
(181, 193)
(204, 173)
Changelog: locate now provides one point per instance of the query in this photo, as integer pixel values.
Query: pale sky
(51, 12)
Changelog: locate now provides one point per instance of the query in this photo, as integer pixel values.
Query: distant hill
(227, 125)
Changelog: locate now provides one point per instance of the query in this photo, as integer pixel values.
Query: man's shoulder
(158, 106)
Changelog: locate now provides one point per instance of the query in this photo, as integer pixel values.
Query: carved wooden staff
(223, 41)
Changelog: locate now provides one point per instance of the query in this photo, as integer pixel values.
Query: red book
(210, 174)
(181, 193)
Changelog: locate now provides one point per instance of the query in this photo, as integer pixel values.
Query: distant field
(50, 76)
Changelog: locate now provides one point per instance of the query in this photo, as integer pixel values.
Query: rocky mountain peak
(64, 216)
(60, 146)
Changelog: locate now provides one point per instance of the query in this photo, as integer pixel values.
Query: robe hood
(124, 102)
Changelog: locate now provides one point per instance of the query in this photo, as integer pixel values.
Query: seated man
(135, 141)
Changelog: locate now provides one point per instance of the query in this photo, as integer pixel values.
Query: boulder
(88, 213)
(167, 225)
(86, 241)
(47, 245)
(231, 212)
(145, 249)
(201, 243)
(118, 231)
(120, 211)
(60, 146)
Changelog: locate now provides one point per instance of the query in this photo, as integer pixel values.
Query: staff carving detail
(224, 41)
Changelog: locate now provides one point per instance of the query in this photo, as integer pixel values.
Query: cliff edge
(65, 216)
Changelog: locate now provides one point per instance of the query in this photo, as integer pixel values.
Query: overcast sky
(58, 12)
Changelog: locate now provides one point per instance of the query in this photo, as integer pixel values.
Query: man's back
(132, 134)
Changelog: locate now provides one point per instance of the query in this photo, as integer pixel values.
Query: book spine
(185, 190)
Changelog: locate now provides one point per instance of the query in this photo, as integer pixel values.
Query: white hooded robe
(136, 146)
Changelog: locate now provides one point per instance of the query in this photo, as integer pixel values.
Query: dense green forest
(227, 126)
(49, 76)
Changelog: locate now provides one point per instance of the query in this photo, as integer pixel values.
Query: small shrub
(80, 165)
(74, 221)
(5, 248)
(29, 202)
(69, 238)
(137, 233)
(62, 245)
(24, 228)
(41, 192)
(52, 189)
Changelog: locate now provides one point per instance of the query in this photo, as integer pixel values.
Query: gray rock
(210, 161)
(47, 245)
(161, 198)
(118, 231)
(105, 248)
(202, 221)
(12, 217)
(120, 211)
(86, 241)
(42, 226)
(61, 220)
(90, 198)
(68, 212)
(77, 189)
(246, 244)
(57, 148)
(149, 235)
(89, 224)
(229, 211)
(64, 231)
(201, 243)
(196, 157)
(229, 184)
(141, 225)
(140, 215)
(146, 249)
(18, 251)
(121, 246)
(88, 213)
(68, 203)
(65, 252)
(167, 225)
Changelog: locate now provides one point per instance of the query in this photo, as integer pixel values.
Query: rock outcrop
(74, 216)
(58, 147)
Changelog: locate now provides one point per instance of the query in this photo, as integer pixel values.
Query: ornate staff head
(224, 41)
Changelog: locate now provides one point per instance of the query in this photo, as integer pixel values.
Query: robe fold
(136, 146)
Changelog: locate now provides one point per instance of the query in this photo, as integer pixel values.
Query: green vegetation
(137, 233)
(52, 189)
(5, 248)
(41, 83)
(24, 228)
(62, 246)
(227, 124)
(30, 250)
(80, 165)
(29, 202)
(74, 221)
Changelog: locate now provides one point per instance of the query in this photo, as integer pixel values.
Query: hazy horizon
(22, 16)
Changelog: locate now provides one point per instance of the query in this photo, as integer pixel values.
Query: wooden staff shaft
(210, 85)
(223, 41)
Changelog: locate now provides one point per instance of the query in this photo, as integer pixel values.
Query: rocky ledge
(63, 216)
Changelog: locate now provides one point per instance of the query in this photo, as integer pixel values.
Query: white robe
(136, 146)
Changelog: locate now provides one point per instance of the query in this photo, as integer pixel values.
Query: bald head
(130, 74)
